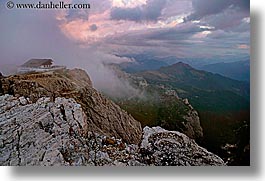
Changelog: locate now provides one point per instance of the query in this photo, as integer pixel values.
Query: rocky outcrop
(192, 125)
(48, 133)
(56, 133)
(103, 116)
(1, 90)
(171, 148)
(164, 107)
(42, 133)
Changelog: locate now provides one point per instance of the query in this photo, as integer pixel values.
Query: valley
(222, 105)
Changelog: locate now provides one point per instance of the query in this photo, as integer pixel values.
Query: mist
(39, 36)
(104, 78)
(90, 39)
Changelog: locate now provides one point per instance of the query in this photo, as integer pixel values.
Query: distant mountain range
(223, 104)
(141, 63)
(199, 85)
(156, 105)
(239, 70)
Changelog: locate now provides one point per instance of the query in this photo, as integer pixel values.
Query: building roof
(35, 63)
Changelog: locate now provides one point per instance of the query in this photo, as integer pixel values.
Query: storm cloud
(93, 27)
(151, 11)
(204, 8)
(91, 39)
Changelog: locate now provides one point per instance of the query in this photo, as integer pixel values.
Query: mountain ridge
(76, 84)
(57, 119)
(56, 133)
(238, 70)
(185, 74)
(223, 105)
(155, 105)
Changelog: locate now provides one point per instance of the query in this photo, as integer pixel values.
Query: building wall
(30, 69)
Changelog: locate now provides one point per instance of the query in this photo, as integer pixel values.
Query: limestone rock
(168, 148)
(193, 123)
(56, 133)
(43, 133)
(1, 89)
(103, 116)
(48, 133)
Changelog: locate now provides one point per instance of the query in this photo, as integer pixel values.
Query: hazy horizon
(90, 38)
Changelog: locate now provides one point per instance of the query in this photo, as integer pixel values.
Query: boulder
(160, 147)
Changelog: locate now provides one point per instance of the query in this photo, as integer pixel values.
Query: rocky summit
(58, 119)
(172, 148)
(103, 116)
(48, 133)
(42, 133)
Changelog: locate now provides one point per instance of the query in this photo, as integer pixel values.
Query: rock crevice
(41, 134)
(103, 115)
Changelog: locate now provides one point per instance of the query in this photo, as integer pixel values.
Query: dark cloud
(158, 38)
(182, 32)
(77, 14)
(184, 40)
(74, 14)
(149, 12)
(204, 8)
(229, 20)
(93, 27)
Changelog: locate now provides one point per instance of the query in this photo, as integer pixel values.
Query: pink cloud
(243, 46)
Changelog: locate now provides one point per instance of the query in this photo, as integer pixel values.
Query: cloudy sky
(177, 27)
(88, 38)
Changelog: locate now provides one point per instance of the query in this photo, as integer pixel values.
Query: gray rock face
(43, 133)
(103, 116)
(193, 124)
(56, 133)
(171, 148)
(1, 90)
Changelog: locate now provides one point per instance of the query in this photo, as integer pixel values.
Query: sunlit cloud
(90, 39)
(201, 35)
(243, 46)
(246, 20)
(174, 28)
(79, 30)
(128, 3)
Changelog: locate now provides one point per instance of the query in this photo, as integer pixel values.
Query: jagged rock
(1, 90)
(183, 117)
(193, 123)
(168, 148)
(55, 133)
(103, 116)
(23, 101)
(162, 109)
(43, 133)
(186, 101)
(48, 133)
(193, 127)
